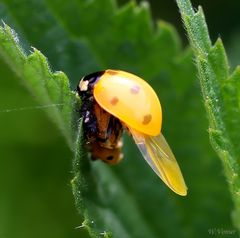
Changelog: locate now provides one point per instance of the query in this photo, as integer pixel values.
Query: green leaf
(221, 94)
(50, 89)
(127, 200)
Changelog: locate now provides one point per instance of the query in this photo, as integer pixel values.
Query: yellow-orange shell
(130, 99)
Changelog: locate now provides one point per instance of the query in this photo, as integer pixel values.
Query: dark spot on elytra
(112, 72)
(110, 157)
(114, 101)
(146, 119)
(135, 89)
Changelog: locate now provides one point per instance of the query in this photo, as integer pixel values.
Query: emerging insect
(113, 100)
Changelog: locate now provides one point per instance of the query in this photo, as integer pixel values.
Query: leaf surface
(220, 89)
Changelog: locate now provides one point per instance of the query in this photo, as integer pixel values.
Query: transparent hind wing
(159, 156)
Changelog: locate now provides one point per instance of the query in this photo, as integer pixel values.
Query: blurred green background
(222, 19)
(35, 163)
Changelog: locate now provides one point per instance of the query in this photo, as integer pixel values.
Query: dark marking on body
(146, 119)
(135, 89)
(110, 157)
(112, 72)
(114, 101)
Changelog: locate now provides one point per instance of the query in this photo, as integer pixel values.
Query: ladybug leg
(103, 119)
(115, 132)
(109, 128)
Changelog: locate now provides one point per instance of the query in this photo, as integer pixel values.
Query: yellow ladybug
(113, 99)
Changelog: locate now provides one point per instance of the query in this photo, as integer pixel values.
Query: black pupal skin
(102, 131)
(86, 111)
